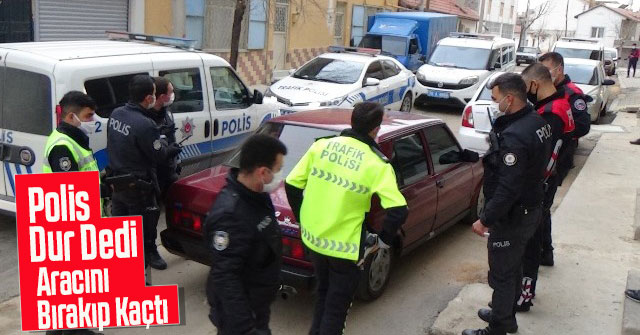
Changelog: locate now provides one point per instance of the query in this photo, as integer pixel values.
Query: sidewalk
(629, 99)
(593, 235)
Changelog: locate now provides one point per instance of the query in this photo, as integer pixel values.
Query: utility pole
(566, 19)
(481, 21)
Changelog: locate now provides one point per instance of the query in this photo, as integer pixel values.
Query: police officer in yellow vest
(67, 149)
(332, 214)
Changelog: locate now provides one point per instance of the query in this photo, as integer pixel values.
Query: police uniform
(556, 111)
(339, 175)
(579, 110)
(513, 174)
(167, 170)
(135, 150)
(246, 247)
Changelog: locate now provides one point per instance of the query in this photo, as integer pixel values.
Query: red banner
(78, 269)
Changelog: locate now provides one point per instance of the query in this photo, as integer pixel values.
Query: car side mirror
(292, 71)
(497, 66)
(413, 49)
(257, 97)
(608, 82)
(423, 59)
(371, 82)
(469, 156)
(450, 157)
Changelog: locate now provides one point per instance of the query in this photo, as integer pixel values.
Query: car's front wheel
(375, 277)
(407, 103)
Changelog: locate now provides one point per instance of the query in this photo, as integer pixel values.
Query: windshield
(578, 53)
(393, 45)
(581, 74)
(528, 50)
(460, 57)
(330, 70)
(298, 140)
(609, 54)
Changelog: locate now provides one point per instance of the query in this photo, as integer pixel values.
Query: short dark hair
(510, 83)
(537, 71)
(366, 116)
(260, 150)
(162, 85)
(555, 58)
(74, 102)
(139, 87)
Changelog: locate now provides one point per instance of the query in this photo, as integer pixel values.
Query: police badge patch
(509, 159)
(220, 240)
(65, 164)
(157, 145)
(580, 105)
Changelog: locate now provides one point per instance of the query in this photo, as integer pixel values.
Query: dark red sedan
(441, 182)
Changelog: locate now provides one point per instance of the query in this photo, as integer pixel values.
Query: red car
(441, 182)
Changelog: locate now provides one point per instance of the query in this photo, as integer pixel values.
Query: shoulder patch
(220, 240)
(65, 164)
(157, 145)
(510, 159)
(580, 105)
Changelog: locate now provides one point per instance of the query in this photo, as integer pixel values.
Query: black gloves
(173, 150)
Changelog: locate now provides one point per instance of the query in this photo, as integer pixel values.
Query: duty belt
(127, 182)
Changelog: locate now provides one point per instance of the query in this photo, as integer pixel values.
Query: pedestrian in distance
(334, 214)
(633, 60)
(245, 242)
(513, 172)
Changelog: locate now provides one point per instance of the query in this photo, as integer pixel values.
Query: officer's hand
(479, 228)
(173, 150)
(382, 245)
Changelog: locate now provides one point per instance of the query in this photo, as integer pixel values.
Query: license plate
(438, 94)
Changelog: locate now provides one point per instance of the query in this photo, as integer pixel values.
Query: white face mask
(168, 103)
(274, 184)
(88, 127)
(494, 107)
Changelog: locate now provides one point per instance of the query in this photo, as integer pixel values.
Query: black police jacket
(134, 144)
(168, 169)
(244, 238)
(514, 165)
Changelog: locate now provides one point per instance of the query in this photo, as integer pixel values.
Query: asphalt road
(422, 282)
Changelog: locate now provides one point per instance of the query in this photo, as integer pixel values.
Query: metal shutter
(59, 20)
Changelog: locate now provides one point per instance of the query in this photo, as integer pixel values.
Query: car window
(330, 70)
(440, 142)
(578, 53)
(109, 93)
(581, 73)
(187, 87)
(27, 104)
(228, 91)
(409, 160)
(512, 54)
(413, 43)
(375, 71)
(390, 69)
(460, 57)
(504, 56)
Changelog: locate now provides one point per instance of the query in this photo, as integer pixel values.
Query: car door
(3, 137)
(190, 109)
(374, 93)
(454, 181)
(397, 81)
(418, 186)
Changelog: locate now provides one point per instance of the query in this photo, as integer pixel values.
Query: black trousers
(337, 283)
(134, 202)
(632, 64)
(506, 247)
(531, 262)
(549, 196)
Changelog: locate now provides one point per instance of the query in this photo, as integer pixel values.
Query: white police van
(213, 109)
(344, 77)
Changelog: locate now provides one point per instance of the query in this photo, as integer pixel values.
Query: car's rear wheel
(407, 103)
(375, 277)
(476, 207)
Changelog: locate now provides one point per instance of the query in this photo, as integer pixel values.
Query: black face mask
(532, 97)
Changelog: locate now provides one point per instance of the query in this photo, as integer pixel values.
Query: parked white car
(584, 48)
(459, 64)
(343, 78)
(590, 77)
(476, 119)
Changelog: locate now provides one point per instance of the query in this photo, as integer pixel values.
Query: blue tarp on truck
(410, 37)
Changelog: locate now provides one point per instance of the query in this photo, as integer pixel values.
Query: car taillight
(467, 117)
(58, 114)
(187, 219)
(292, 248)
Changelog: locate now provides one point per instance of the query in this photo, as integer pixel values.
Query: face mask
(532, 97)
(88, 127)
(274, 184)
(495, 109)
(153, 102)
(168, 103)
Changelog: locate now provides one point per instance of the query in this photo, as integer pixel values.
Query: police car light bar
(574, 39)
(471, 35)
(182, 43)
(362, 51)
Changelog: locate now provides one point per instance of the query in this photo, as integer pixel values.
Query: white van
(213, 109)
(584, 48)
(459, 64)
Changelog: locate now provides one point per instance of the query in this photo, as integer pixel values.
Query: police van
(213, 109)
(343, 77)
(584, 48)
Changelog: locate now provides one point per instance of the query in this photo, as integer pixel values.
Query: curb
(636, 226)
(631, 313)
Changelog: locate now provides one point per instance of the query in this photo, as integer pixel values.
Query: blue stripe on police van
(18, 169)
(29, 171)
(7, 168)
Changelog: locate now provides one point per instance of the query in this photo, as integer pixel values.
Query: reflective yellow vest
(339, 176)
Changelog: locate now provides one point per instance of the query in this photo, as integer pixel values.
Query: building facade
(558, 21)
(608, 24)
(499, 17)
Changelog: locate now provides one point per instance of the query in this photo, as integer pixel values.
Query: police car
(344, 77)
(213, 109)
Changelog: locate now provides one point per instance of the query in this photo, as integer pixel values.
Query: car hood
(448, 75)
(299, 91)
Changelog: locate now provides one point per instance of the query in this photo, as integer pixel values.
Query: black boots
(547, 257)
(485, 315)
(154, 259)
(485, 331)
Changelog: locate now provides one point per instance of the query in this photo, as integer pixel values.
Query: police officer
(136, 148)
(331, 215)
(68, 150)
(168, 170)
(245, 241)
(554, 108)
(513, 173)
(578, 102)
